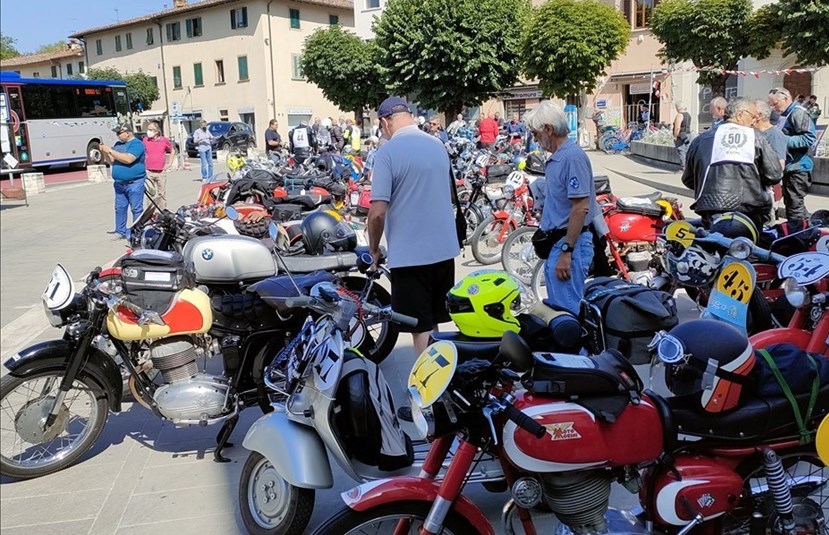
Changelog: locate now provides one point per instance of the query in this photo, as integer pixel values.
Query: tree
(450, 53)
(569, 44)
(142, 88)
(805, 28)
(106, 73)
(344, 67)
(7, 47)
(54, 47)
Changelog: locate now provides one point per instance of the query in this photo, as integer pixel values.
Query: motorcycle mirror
(232, 213)
(516, 351)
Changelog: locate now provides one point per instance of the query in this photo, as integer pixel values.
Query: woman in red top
(160, 154)
(488, 130)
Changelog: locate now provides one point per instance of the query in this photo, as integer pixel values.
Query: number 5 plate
(60, 290)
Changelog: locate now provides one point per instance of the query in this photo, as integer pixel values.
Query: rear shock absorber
(779, 490)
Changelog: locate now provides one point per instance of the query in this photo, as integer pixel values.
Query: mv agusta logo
(706, 501)
(562, 431)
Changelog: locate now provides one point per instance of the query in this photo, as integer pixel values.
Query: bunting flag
(756, 74)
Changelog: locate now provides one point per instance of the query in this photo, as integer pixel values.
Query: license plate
(355, 198)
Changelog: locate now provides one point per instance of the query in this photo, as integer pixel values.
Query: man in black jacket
(731, 168)
(302, 142)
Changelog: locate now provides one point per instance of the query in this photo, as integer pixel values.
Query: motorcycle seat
(755, 419)
(274, 290)
(342, 261)
(653, 196)
(640, 205)
(469, 348)
(308, 202)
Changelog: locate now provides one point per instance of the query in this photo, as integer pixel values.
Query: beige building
(61, 64)
(228, 60)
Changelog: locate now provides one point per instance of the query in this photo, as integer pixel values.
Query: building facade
(223, 60)
(60, 64)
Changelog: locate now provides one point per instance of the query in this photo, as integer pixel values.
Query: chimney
(179, 3)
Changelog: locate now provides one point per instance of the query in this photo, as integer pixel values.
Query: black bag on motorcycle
(498, 173)
(624, 316)
(153, 278)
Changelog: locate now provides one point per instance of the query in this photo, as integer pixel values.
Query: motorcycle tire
(100, 408)
(254, 229)
(348, 520)
(484, 233)
(375, 348)
(294, 517)
(474, 216)
(513, 255)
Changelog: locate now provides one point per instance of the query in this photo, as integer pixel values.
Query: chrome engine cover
(229, 258)
(193, 400)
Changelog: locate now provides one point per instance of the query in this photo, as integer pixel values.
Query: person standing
(516, 129)
(682, 133)
(436, 130)
(375, 128)
(323, 136)
(160, 155)
(204, 145)
(569, 207)
(456, 125)
(776, 140)
(128, 174)
(351, 135)
(800, 135)
(411, 203)
(337, 138)
(488, 131)
(813, 108)
(301, 138)
(273, 141)
(717, 110)
(498, 120)
(730, 168)
(644, 115)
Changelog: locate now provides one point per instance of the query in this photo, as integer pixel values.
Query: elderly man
(569, 207)
(682, 133)
(717, 110)
(731, 167)
(456, 125)
(129, 174)
(800, 135)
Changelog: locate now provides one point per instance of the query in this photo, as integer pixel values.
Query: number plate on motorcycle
(680, 232)
(515, 179)
(822, 440)
(355, 198)
(805, 268)
(433, 371)
(737, 281)
(60, 290)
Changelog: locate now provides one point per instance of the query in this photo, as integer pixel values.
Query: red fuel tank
(628, 227)
(577, 440)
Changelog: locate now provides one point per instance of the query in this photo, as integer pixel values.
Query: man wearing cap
(126, 158)
(411, 202)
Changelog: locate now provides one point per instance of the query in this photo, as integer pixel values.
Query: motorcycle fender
(784, 335)
(381, 492)
(53, 355)
(500, 215)
(295, 451)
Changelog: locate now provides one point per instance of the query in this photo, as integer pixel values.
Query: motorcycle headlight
(54, 317)
(796, 295)
(740, 248)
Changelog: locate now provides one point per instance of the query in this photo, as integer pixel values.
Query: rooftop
(43, 57)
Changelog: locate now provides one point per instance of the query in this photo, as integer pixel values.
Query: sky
(38, 22)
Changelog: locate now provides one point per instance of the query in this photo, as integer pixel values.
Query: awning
(151, 114)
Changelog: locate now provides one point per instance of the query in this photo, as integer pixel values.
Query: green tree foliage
(570, 43)
(765, 30)
(141, 87)
(344, 67)
(7, 47)
(450, 53)
(805, 25)
(107, 73)
(54, 47)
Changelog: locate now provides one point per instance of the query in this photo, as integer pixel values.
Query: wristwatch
(566, 248)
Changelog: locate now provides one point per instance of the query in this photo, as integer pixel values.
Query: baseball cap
(123, 127)
(392, 105)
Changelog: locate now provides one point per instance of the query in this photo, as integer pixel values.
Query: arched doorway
(798, 83)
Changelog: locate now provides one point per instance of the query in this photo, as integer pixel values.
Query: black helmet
(535, 164)
(820, 219)
(695, 366)
(321, 229)
(735, 225)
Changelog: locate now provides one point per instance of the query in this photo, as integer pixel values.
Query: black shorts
(420, 292)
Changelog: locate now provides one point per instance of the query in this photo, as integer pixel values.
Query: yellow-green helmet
(482, 305)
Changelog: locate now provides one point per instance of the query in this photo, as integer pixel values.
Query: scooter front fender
(381, 492)
(296, 452)
(784, 335)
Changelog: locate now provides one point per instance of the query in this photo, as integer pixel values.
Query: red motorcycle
(489, 237)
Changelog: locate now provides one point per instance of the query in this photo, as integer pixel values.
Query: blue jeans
(568, 293)
(128, 196)
(206, 158)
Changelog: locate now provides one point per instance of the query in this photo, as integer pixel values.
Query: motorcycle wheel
(487, 242)
(538, 286)
(380, 337)
(518, 255)
(79, 423)
(473, 215)
(385, 518)
(270, 505)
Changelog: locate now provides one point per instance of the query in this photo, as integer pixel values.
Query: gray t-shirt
(411, 173)
(777, 140)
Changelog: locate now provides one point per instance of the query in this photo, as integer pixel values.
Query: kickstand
(222, 440)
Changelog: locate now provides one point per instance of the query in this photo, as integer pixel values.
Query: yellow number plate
(681, 232)
(433, 371)
(736, 280)
(822, 441)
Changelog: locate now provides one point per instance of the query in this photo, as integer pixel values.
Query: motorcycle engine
(187, 395)
(579, 499)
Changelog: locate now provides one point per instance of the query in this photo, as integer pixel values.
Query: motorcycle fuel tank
(189, 313)
(628, 227)
(229, 259)
(576, 439)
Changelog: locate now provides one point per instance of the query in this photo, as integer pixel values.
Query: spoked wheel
(375, 339)
(489, 239)
(269, 504)
(538, 286)
(518, 255)
(473, 215)
(29, 449)
(399, 518)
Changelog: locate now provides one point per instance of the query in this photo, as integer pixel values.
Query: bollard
(33, 183)
(96, 173)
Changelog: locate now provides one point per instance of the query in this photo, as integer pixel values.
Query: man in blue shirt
(569, 207)
(128, 173)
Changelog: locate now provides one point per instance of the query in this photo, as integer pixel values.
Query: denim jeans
(568, 293)
(682, 151)
(206, 164)
(128, 196)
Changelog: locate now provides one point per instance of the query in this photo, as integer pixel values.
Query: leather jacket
(724, 183)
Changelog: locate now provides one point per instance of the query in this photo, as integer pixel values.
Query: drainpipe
(168, 124)
(270, 53)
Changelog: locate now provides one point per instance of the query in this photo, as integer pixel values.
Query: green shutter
(177, 77)
(333, 20)
(197, 74)
(294, 18)
(243, 67)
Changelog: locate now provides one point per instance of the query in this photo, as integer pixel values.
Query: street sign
(175, 112)
(601, 104)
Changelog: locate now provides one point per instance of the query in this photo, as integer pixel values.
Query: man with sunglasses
(126, 158)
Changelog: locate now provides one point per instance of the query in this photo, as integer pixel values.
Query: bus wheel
(94, 156)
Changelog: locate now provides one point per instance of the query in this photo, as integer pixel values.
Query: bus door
(15, 138)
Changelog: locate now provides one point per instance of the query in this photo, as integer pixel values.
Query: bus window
(49, 102)
(94, 102)
(122, 104)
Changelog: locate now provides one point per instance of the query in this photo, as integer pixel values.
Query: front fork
(450, 487)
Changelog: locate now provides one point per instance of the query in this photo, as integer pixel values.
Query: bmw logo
(207, 254)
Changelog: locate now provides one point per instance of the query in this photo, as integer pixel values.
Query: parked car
(227, 136)
(142, 135)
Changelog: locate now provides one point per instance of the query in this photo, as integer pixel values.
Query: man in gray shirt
(411, 201)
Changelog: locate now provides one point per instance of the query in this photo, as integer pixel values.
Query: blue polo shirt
(123, 172)
(569, 175)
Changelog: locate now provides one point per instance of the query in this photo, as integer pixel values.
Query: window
(154, 80)
(643, 11)
(333, 20)
(68, 69)
(197, 74)
(194, 28)
(220, 71)
(296, 67)
(150, 37)
(52, 101)
(176, 77)
(35, 75)
(54, 71)
(99, 47)
(117, 43)
(173, 31)
(294, 18)
(223, 115)
(94, 102)
(81, 67)
(238, 18)
(243, 68)
(129, 41)
(372, 4)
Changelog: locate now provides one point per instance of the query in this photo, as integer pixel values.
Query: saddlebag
(287, 212)
(153, 278)
(624, 316)
(576, 375)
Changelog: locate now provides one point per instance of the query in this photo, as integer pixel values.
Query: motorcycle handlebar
(394, 316)
(524, 421)
(718, 239)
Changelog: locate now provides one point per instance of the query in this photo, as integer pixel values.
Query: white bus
(56, 122)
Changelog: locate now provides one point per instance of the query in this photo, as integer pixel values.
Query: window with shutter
(99, 47)
(150, 39)
(129, 41)
(117, 43)
(294, 18)
(243, 68)
(198, 76)
(177, 77)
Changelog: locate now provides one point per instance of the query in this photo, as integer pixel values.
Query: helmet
(696, 367)
(693, 266)
(519, 162)
(321, 229)
(484, 303)
(820, 219)
(735, 225)
(535, 163)
(235, 162)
